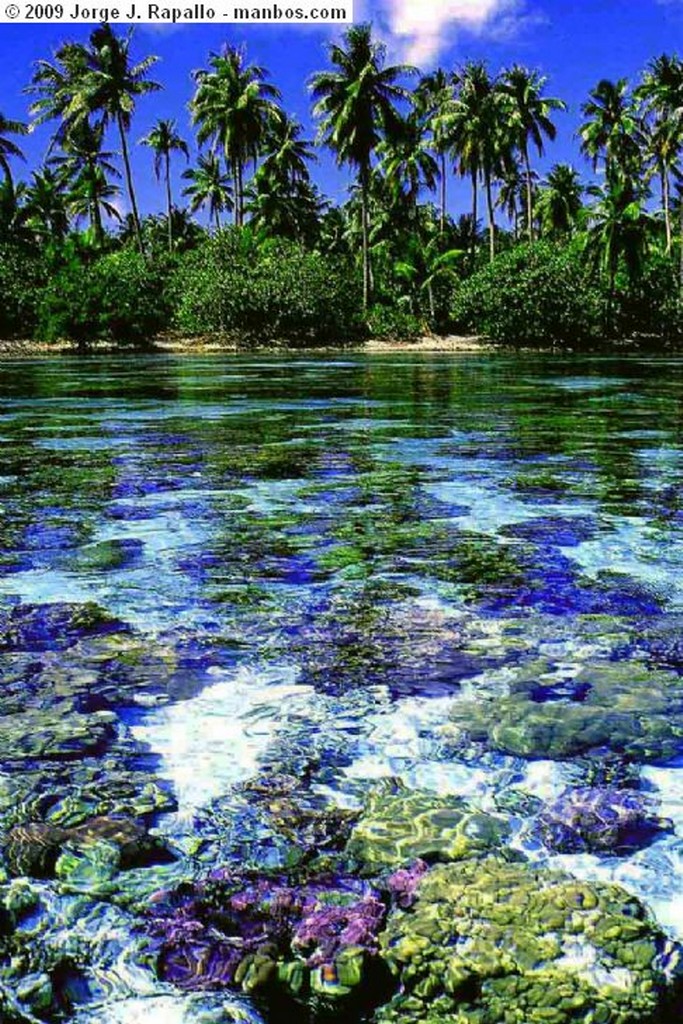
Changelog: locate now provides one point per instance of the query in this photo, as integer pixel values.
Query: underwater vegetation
(341, 693)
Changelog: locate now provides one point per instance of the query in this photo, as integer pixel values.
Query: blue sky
(574, 42)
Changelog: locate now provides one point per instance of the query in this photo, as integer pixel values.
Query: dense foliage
(557, 261)
(536, 294)
(279, 291)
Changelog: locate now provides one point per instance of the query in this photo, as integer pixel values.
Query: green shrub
(537, 294)
(394, 324)
(118, 297)
(265, 292)
(22, 275)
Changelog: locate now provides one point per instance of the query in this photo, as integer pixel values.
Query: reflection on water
(442, 570)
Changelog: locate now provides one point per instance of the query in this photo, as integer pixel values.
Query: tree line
(402, 134)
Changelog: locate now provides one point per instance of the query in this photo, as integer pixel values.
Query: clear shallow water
(331, 556)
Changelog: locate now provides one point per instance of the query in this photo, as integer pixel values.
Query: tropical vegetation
(546, 253)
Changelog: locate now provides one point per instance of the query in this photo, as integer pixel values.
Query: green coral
(624, 708)
(492, 942)
(397, 827)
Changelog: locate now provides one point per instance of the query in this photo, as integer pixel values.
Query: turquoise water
(323, 566)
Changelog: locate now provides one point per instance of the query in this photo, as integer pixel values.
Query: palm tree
(661, 92)
(9, 148)
(98, 79)
(287, 154)
(433, 99)
(110, 87)
(612, 129)
(209, 186)
(406, 159)
(619, 229)
(285, 209)
(92, 195)
(356, 104)
(163, 140)
(559, 200)
(13, 213)
(511, 194)
(86, 168)
(482, 139)
(47, 205)
(234, 107)
(530, 115)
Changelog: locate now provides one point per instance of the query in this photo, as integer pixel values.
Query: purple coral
(326, 930)
(403, 883)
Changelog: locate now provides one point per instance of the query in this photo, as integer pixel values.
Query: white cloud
(423, 28)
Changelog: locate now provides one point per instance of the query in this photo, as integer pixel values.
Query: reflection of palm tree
(531, 122)
(163, 140)
(209, 186)
(356, 104)
(559, 200)
(233, 108)
(9, 148)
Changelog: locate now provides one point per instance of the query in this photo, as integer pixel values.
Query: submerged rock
(489, 941)
(601, 819)
(400, 826)
(34, 850)
(620, 708)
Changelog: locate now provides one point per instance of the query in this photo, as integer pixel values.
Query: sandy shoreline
(27, 349)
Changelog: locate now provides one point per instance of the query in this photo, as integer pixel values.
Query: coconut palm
(233, 108)
(98, 79)
(406, 159)
(110, 87)
(57, 86)
(559, 200)
(661, 92)
(511, 194)
(209, 186)
(92, 195)
(9, 148)
(530, 121)
(433, 100)
(47, 205)
(86, 169)
(356, 104)
(287, 153)
(164, 140)
(285, 209)
(612, 129)
(619, 229)
(482, 140)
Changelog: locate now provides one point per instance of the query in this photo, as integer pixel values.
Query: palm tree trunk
(236, 186)
(129, 183)
(529, 195)
(240, 192)
(667, 207)
(475, 215)
(492, 223)
(169, 202)
(443, 192)
(366, 238)
(217, 218)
